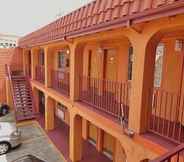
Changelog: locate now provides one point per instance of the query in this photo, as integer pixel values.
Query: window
(130, 63)
(63, 60)
(41, 57)
(158, 65)
(60, 112)
(108, 145)
(93, 133)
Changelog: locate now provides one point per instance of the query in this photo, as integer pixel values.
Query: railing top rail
(161, 90)
(40, 66)
(60, 71)
(170, 154)
(106, 80)
(8, 71)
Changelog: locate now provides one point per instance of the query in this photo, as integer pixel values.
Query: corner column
(34, 61)
(48, 66)
(76, 60)
(76, 141)
(49, 113)
(36, 99)
(85, 129)
(99, 143)
(119, 155)
(142, 82)
(24, 61)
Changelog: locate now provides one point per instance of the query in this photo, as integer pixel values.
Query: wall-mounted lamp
(179, 43)
(67, 51)
(100, 50)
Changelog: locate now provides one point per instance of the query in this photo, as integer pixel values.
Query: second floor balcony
(110, 97)
(60, 81)
(40, 73)
(166, 117)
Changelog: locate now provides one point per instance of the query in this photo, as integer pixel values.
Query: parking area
(34, 142)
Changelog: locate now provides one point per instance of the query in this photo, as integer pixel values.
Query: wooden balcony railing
(176, 155)
(108, 96)
(61, 82)
(40, 73)
(167, 115)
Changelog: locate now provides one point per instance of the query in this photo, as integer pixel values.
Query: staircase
(22, 95)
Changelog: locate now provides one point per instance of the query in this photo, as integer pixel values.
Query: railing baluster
(181, 120)
(40, 73)
(60, 82)
(167, 115)
(104, 95)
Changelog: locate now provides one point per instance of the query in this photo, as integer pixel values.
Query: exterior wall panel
(11, 57)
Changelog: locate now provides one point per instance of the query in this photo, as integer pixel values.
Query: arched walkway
(166, 77)
(103, 71)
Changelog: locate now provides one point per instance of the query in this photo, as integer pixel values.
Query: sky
(20, 17)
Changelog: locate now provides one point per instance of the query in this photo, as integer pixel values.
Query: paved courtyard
(35, 142)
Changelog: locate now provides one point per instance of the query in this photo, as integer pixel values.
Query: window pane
(130, 63)
(61, 60)
(158, 65)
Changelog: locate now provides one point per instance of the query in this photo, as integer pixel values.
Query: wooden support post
(75, 138)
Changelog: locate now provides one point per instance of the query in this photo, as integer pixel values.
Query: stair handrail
(8, 74)
(32, 97)
(168, 156)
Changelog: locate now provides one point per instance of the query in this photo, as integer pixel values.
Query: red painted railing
(167, 115)
(108, 96)
(40, 73)
(8, 74)
(176, 155)
(16, 68)
(61, 82)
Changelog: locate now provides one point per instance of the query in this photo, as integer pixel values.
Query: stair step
(22, 93)
(23, 103)
(23, 98)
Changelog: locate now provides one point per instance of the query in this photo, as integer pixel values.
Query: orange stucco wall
(171, 78)
(11, 57)
(120, 69)
(172, 67)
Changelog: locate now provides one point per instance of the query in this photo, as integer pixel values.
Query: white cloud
(24, 16)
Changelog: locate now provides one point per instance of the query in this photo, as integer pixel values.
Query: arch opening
(105, 75)
(166, 50)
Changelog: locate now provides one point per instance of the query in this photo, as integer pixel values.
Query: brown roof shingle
(98, 15)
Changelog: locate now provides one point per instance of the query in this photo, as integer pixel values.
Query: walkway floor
(60, 137)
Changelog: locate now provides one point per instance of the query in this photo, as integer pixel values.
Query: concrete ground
(35, 142)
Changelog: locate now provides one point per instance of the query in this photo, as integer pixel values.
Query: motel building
(106, 81)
